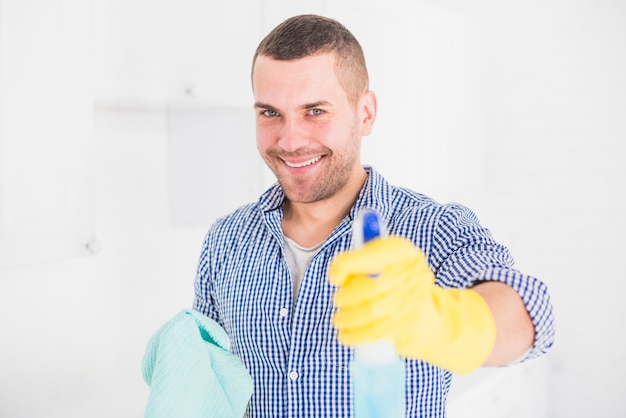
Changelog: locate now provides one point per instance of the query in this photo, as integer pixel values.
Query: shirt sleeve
(465, 253)
(203, 300)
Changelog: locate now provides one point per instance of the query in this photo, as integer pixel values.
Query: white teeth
(304, 164)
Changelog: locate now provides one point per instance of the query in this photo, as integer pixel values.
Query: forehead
(308, 76)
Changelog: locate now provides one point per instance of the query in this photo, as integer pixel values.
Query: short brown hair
(307, 35)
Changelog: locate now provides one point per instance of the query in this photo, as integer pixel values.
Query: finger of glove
(389, 327)
(372, 258)
(355, 315)
(362, 289)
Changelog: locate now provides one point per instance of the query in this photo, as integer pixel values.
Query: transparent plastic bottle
(376, 369)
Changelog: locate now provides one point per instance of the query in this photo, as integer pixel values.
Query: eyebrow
(259, 105)
(313, 105)
(316, 104)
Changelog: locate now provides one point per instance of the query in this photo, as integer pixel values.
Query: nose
(293, 135)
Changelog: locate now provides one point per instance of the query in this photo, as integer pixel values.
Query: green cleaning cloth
(191, 373)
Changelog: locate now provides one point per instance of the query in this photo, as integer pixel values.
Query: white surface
(517, 391)
(74, 331)
(46, 175)
(150, 53)
(213, 164)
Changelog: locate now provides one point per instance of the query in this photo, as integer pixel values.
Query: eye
(270, 113)
(316, 112)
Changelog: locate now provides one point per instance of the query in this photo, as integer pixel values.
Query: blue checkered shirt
(291, 351)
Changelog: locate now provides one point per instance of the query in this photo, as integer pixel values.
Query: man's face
(308, 132)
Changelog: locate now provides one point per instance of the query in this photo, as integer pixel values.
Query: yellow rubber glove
(386, 291)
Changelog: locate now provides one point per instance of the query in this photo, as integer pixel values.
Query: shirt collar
(272, 198)
(375, 194)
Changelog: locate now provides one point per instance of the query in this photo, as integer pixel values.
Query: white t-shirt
(298, 259)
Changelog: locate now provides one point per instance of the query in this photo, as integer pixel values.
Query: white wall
(73, 332)
(552, 95)
(556, 103)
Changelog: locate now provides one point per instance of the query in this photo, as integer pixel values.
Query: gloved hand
(386, 290)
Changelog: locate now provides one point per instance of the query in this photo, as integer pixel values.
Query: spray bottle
(376, 369)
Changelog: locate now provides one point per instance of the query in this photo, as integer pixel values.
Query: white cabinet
(153, 52)
(214, 166)
(45, 131)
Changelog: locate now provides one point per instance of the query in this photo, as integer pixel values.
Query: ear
(368, 106)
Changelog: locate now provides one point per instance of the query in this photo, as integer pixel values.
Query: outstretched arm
(515, 332)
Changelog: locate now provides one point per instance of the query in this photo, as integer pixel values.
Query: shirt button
(284, 312)
(293, 375)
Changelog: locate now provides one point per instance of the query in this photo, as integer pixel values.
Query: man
(269, 271)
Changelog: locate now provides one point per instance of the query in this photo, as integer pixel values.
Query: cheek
(337, 135)
(264, 137)
(324, 132)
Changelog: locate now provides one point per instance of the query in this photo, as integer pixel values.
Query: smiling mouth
(305, 163)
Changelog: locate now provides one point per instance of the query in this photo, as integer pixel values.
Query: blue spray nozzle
(371, 225)
(368, 225)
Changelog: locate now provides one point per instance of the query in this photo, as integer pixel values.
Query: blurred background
(126, 129)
